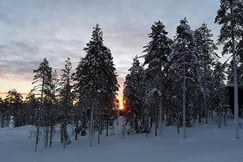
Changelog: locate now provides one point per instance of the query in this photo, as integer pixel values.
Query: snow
(204, 143)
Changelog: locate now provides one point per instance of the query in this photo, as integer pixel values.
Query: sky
(31, 30)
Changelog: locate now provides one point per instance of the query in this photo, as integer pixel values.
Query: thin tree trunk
(91, 124)
(38, 117)
(236, 104)
(200, 114)
(225, 124)
(184, 102)
(100, 130)
(62, 133)
(156, 121)
(37, 129)
(205, 105)
(178, 124)
(107, 127)
(46, 136)
(160, 115)
(51, 135)
(76, 122)
(2, 120)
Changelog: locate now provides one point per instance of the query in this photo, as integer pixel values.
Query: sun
(121, 106)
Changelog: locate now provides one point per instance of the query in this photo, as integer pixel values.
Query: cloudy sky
(56, 29)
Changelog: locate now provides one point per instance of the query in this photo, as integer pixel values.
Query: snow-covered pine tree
(229, 16)
(207, 57)
(134, 92)
(230, 75)
(96, 78)
(43, 81)
(182, 71)
(156, 53)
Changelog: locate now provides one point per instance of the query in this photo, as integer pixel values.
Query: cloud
(33, 29)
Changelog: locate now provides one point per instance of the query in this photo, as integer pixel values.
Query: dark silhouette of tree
(207, 57)
(229, 16)
(43, 79)
(66, 100)
(96, 79)
(134, 95)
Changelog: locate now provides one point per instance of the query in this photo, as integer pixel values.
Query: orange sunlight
(120, 94)
(120, 99)
(121, 107)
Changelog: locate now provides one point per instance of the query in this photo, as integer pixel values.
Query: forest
(176, 82)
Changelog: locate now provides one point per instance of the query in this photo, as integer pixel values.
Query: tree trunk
(107, 127)
(37, 129)
(38, 117)
(205, 106)
(100, 130)
(51, 135)
(46, 136)
(184, 102)
(91, 124)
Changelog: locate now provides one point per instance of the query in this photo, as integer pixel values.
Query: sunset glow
(121, 107)
(120, 99)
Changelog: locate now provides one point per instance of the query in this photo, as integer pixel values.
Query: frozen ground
(205, 143)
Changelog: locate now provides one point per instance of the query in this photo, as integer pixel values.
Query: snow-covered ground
(205, 143)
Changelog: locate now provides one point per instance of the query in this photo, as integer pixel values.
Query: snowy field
(205, 143)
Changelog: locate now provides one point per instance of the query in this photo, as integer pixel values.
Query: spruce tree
(207, 57)
(134, 92)
(96, 79)
(182, 71)
(156, 53)
(43, 81)
(219, 96)
(229, 16)
(66, 100)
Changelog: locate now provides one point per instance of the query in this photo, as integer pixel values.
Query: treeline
(181, 80)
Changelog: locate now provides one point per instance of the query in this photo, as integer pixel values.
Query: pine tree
(182, 71)
(80, 78)
(43, 79)
(96, 78)
(52, 106)
(207, 57)
(134, 92)
(155, 56)
(66, 100)
(229, 16)
(219, 92)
